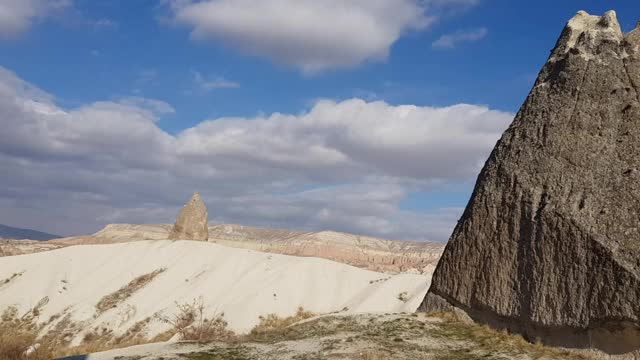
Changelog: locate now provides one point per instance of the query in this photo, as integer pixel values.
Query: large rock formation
(191, 223)
(549, 244)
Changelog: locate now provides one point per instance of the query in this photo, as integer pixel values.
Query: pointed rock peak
(609, 19)
(191, 223)
(633, 36)
(585, 33)
(582, 21)
(196, 199)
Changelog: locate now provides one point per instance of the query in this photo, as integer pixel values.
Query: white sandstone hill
(116, 286)
(361, 251)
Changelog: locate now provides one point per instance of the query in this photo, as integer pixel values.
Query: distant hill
(8, 232)
(360, 251)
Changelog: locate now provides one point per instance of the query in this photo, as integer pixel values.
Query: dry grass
(20, 340)
(17, 338)
(102, 339)
(490, 340)
(112, 300)
(191, 324)
(272, 324)
(369, 338)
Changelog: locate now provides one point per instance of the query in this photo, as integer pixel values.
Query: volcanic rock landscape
(543, 264)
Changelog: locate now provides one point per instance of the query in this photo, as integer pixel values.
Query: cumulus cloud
(307, 34)
(450, 41)
(341, 165)
(17, 16)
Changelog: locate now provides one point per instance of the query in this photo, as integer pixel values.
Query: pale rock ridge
(361, 251)
(549, 244)
(365, 252)
(127, 232)
(19, 247)
(191, 223)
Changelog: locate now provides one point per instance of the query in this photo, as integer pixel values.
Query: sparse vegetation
(368, 337)
(222, 353)
(374, 337)
(379, 280)
(191, 324)
(273, 325)
(22, 338)
(10, 278)
(488, 340)
(17, 338)
(112, 300)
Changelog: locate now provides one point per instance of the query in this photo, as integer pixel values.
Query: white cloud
(218, 82)
(450, 41)
(307, 34)
(17, 16)
(342, 165)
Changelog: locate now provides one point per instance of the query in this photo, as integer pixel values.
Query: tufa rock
(191, 223)
(549, 244)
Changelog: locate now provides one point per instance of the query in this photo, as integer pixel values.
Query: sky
(372, 117)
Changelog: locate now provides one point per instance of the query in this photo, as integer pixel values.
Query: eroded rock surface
(549, 245)
(361, 251)
(191, 223)
(20, 247)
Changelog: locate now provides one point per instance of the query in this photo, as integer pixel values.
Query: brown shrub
(273, 323)
(191, 324)
(18, 339)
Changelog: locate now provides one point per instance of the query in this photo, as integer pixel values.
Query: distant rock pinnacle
(191, 223)
(549, 244)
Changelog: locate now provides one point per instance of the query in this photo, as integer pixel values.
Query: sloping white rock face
(360, 251)
(243, 284)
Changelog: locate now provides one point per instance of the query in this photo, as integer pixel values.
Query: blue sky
(206, 66)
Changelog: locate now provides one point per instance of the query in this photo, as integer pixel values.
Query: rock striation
(361, 251)
(549, 244)
(191, 223)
